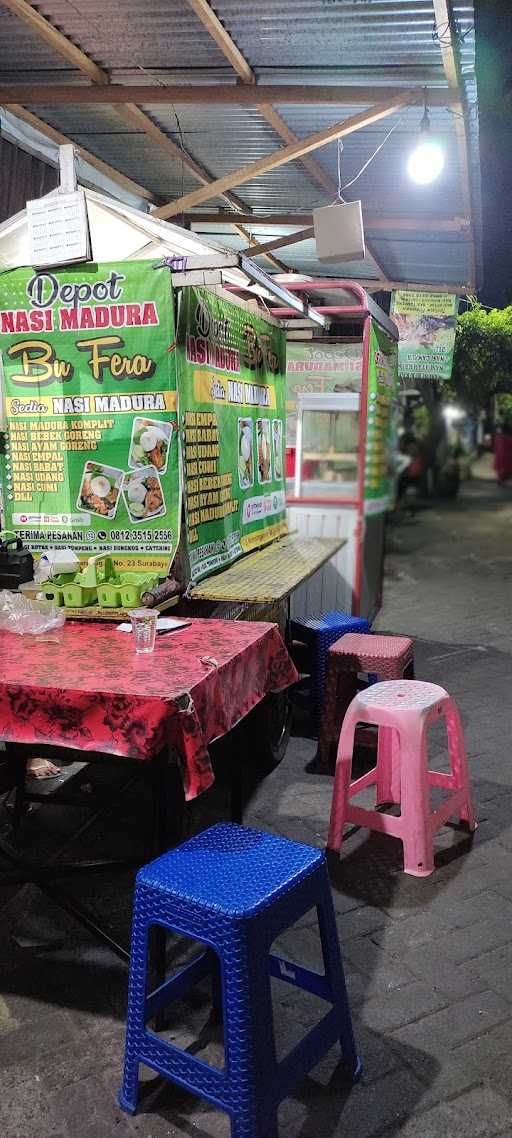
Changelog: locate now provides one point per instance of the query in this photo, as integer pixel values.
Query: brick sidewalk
(429, 962)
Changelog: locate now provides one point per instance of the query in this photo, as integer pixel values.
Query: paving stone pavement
(428, 962)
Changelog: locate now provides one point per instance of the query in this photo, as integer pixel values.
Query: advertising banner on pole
(316, 369)
(426, 323)
(380, 471)
(231, 378)
(90, 458)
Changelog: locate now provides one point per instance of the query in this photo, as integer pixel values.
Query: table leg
(167, 786)
(17, 758)
(167, 789)
(237, 792)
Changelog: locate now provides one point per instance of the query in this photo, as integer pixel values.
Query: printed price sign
(232, 414)
(90, 460)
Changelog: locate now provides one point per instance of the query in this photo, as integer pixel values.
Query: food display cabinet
(341, 468)
(327, 447)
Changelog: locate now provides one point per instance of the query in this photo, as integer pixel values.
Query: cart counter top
(272, 573)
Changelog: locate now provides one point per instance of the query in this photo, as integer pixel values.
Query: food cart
(340, 443)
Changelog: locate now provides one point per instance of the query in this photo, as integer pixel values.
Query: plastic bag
(28, 618)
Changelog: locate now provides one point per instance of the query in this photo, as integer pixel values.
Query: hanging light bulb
(427, 159)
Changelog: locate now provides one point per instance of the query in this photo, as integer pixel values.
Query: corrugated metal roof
(338, 33)
(443, 258)
(21, 50)
(136, 33)
(378, 43)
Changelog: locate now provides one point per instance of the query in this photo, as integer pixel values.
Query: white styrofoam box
(58, 230)
(339, 232)
(330, 588)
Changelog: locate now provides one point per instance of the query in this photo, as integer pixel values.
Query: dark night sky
(493, 22)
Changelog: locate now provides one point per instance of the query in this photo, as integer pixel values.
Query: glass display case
(327, 448)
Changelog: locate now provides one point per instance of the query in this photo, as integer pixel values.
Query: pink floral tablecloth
(84, 687)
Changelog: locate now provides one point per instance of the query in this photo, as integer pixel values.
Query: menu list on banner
(426, 323)
(90, 457)
(380, 441)
(232, 415)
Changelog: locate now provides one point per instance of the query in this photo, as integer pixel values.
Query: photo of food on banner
(277, 439)
(150, 444)
(264, 450)
(99, 489)
(143, 494)
(245, 454)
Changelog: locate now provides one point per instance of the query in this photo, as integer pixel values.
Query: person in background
(410, 446)
(503, 450)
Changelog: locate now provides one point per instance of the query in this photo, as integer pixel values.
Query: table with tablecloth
(84, 687)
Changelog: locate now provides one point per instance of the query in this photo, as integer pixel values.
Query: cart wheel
(268, 733)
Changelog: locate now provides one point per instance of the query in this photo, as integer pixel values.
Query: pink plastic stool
(403, 711)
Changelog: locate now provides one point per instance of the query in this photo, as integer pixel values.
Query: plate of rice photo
(150, 444)
(143, 494)
(99, 489)
(245, 454)
(264, 450)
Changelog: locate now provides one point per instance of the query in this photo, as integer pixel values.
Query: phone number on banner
(143, 534)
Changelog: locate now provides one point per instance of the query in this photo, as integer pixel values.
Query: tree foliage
(482, 364)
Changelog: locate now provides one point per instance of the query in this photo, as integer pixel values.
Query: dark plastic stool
(235, 890)
(318, 633)
(381, 657)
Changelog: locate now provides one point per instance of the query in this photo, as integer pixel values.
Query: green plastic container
(83, 590)
(109, 595)
(53, 588)
(124, 589)
(133, 585)
(78, 596)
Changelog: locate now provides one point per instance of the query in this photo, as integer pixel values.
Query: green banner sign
(316, 369)
(380, 440)
(426, 324)
(232, 413)
(89, 374)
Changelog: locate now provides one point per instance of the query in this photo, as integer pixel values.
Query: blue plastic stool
(235, 890)
(318, 633)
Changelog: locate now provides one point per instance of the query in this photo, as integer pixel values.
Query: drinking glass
(144, 629)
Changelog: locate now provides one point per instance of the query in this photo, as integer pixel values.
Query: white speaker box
(339, 232)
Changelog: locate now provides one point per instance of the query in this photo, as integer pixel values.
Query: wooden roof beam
(229, 49)
(414, 286)
(281, 242)
(224, 41)
(408, 224)
(251, 243)
(390, 285)
(236, 94)
(446, 25)
(289, 153)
